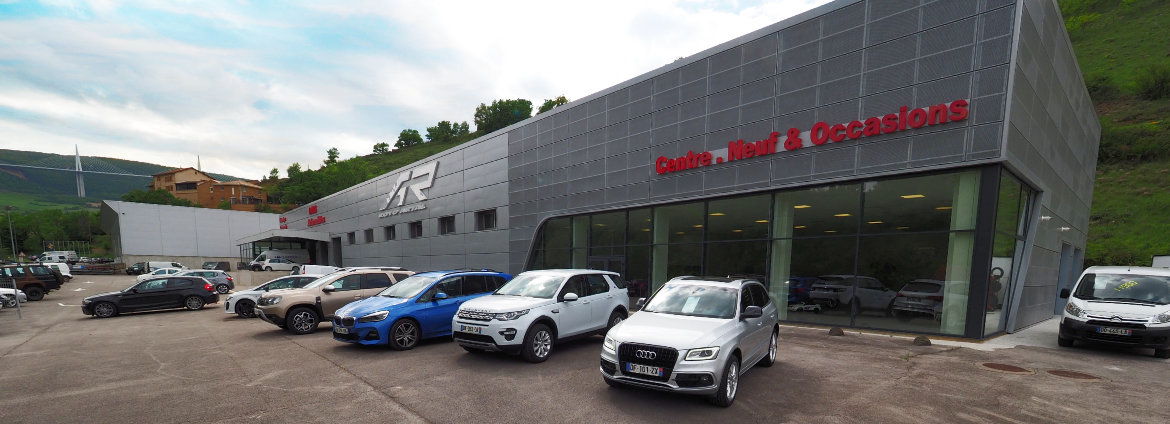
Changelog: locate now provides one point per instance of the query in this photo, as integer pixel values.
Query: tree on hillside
(551, 104)
(500, 114)
(408, 138)
(293, 169)
(156, 197)
(332, 153)
(273, 175)
(381, 148)
(446, 131)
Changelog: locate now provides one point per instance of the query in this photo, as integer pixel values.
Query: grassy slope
(1114, 40)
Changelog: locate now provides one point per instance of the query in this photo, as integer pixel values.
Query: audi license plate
(643, 369)
(340, 330)
(470, 329)
(1117, 331)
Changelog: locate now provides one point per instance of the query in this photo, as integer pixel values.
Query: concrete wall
(469, 178)
(1052, 139)
(843, 61)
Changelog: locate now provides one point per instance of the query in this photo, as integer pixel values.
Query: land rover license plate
(470, 329)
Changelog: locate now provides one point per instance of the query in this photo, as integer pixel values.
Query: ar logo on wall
(420, 178)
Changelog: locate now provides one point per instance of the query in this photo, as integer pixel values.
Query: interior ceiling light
(599, 225)
(761, 221)
(913, 196)
(943, 208)
(875, 222)
(842, 215)
(801, 207)
(737, 231)
(903, 228)
(830, 231)
(716, 214)
(645, 229)
(698, 225)
(681, 232)
(800, 227)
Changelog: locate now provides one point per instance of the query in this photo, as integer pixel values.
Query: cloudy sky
(253, 85)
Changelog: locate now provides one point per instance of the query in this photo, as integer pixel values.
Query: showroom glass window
(1007, 247)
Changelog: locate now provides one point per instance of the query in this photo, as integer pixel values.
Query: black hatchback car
(158, 293)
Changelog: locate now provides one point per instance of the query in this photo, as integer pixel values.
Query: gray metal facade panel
(174, 231)
(1050, 124)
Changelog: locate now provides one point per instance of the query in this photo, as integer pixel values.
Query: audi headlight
(1162, 318)
(610, 344)
(508, 316)
(375, 317)
(1073, 309)
(702, 354)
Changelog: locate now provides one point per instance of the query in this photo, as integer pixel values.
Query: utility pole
(11, 235)
(80, 176)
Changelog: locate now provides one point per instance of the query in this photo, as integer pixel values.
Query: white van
(65, 256)
(1121, 305)
(153, 265)
(60, 267)
(298, 256)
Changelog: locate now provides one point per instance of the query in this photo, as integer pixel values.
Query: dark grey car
(218, 279)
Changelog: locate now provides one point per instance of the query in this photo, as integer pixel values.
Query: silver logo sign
(422, 176)
(645, 354)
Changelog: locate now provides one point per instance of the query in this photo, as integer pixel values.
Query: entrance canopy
(284, 235)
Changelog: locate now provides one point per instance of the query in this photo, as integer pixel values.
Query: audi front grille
(655, 356)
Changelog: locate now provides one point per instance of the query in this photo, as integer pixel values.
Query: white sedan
(278, 264)
(243, 303)
(161, 272)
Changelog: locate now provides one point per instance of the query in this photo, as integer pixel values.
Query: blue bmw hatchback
(416, 308)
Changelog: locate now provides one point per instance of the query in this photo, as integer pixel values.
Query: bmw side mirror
(570, 297)
(752, 312)
(439, 296)
(328, 289)
(1064, 293)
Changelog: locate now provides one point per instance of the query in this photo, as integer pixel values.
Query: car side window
(597, 284)
(39, 270)
(16, 272)
(745, 298)
(500, 281)
(348, 282)
(453, 286)
(473, 284)
(153, 285)
(760, 295)
(178, 283)
(376, 281)
(399, 276)
(575, 285)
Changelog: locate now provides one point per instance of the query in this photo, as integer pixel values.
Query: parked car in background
(66, 256)
(300, 256)
(243, 303)
(278, 264)
(155, 293)
(418, 307)
(220, 265)
(154, 265)
(695, 335)
(301, 310)
(161, 272)
(314, 270)
(136, 269)
(222, 282)
(538, 309)
(9, 297)
(869, 293)
(62, 268)
(921, 296)
(33, 279)
(800, 289)
(1119, 305)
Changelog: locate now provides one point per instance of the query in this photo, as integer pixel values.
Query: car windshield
(408, 288)
(282, 283)
(532, 285)
(694, 300)
(1151, 289)
(322, 281)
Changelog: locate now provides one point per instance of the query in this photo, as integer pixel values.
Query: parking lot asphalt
(58, 365)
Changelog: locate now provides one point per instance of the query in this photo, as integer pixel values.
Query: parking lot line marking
(62, 304)
(78, 289)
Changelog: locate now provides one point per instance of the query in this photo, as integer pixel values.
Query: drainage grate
(1005, 368)
(1075, 375)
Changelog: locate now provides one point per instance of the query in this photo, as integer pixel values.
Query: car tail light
(230, 279)
(935, 298)
(208, 287)
(901, 295)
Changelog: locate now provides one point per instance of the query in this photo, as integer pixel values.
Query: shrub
(1101, 87)
(1139, 142)
(1153, 82)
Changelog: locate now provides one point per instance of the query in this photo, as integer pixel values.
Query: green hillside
(39, 189)
(1123, 48)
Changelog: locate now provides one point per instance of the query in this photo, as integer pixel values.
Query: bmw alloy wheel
(404, 334)
(103, 310)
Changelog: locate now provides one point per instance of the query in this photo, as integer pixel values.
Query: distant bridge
(91, 166)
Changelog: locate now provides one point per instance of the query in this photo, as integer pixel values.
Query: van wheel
(34, 293)
(404, 335)
(1064, 342)
(730, 384)
(268, 268)
(1162, 353)
(538, 344)
(302, 320)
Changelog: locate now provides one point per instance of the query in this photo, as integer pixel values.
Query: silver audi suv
(695, 335)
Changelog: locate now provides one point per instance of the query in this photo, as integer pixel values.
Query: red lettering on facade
(958, 110)
(837, 133)
(819, 133)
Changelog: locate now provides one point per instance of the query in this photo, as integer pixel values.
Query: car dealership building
(915, 166)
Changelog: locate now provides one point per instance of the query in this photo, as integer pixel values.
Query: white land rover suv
(695, 335)
(537, 309)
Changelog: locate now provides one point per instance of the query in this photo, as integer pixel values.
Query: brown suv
(301, 310)
(33, 280)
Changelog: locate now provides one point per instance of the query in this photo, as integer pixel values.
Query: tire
(404, 334)
(1064, 342)
(616, 317)
(221, 289)
(193, 303)
(302, 320)
(34, 293)
(890, 309)
(832, 304)
(1162, 353)
(729, 385)
(295, 270)
(472, 350)
(770, 358)
(268, 268)
(246, 309)
(104, 310)
(538, 344)
(10, 301)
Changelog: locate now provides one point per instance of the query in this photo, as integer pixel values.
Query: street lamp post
(11, 236)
